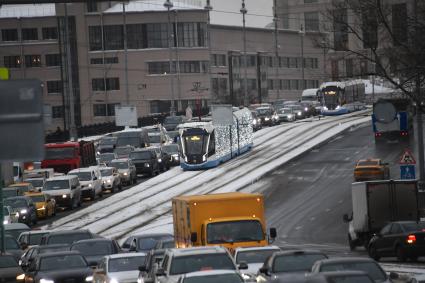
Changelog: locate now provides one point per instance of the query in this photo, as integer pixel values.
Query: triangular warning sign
(407, 158)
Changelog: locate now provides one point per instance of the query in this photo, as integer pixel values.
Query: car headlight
(246, 276)
(24, 211)
(113, 280)
(159, 160)
(90, 279)
(338, 107)
(325, 108)
(64, 196)
(267, 118)
(176, 156)
(90, 185)
(147, 165)
(306, 109)
(125, 174)
(5, 222)
(41, 208)
(290, 116)
(20, 277)
(42, 280)
(17, 214)
(254, 121)
(299, 113)
(108, 181)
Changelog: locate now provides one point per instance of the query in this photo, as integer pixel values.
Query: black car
(173, 151)
(145, 242)
(146, 161)
(308, 108)
(10, 271)
(403, 239)
(163, 158)
(106, 158)
(171, 122)
(94, 250)
(267, 115)
(12, 247)
(32, 252)
(23, 208)
(298, 110)
(337, 276)
(106, 144)
(291, 264)
(67, 266)
(10, 192)
(256, 121)
(67, 237)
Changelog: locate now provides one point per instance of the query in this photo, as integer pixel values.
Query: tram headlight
(254, 122)
(338, 107)
(204, 158)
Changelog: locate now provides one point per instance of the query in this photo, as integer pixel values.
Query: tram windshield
(195, 144)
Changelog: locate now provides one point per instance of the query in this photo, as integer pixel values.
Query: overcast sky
(226, 12)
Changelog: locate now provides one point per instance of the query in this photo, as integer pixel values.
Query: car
(256, 121)
(402, 239)
(106, 145)
(9, 217)
(368, 265)
(137, 138)
(371, 169)
(290, 264)
(163, 158)
(147, 271)
(171, 122)
(37, 183)
(126, 169)
(9, 269)
(68, 266)
(166, 243)
(337, 276)
(286, 114)
(90, 181)
(145, 160)
(32, 252)
(45, 205)
(10, 192)
(173, 151)
(111, 179)
(144, 242)
(267, 115)
(123, 151)
(308, 108)
(12, 246)
(94, 250)
(212, 276)
(254, 257)
(66, 237)
(23, 187)
(66, 190)
(122, 267)
(158, 139)
(32, 238)
(106, 158)
(15, 229)
(298, 110)
(23, 208)
(177, 262)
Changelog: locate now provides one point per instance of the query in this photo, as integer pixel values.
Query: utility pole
(243, 10)
(276, 48)
(168, 4)
(208, 8)
(124, 20)
(302, 33)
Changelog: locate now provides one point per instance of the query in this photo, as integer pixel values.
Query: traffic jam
(217, 237)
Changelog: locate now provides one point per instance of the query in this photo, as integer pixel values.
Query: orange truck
(230, 219)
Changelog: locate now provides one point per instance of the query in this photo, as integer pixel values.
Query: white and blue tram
(338, 97)
(205, 145)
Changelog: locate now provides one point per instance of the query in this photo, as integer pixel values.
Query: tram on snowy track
(340, 97)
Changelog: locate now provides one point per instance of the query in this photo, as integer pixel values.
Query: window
(57, 112)
(285, 84)
(136, 36)
(399, 23)
(91, 6)
(294, 84)
(114, 37)
(191, 34)
(99, 110)
(252, 84)
(293, 62)
(50, 33)
(32, 61)
(54, 87)
(340, 29)
(370, 29)
(219, 60)
(95, 38)
(158, 68)
(53, 60)
(349, 67)
(108, 60)
(311, 21)
(9, 35)
(98, 84)
(310, 1)
(190, 67)
(29, 34)
(12, 61)
(270, 84)
(283, 62)
(157, 35)
(95, 61)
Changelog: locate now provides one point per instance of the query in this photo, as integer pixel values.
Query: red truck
(64, 157)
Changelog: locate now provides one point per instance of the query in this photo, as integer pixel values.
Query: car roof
(85, 169)
(265, 248)
(94, 240)
(16, 226)
(35, 232)
(298, 252)
(19, 197)
(121, 255)
(154, 134)
(151, 235)
(59, 253)
(209, 272)
(120, 160)
(61, 232)
(197, 250)
(106, 167)
(63, 177)
(345, 260)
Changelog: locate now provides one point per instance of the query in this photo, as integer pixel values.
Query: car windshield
(22, 189)
(234, 231)
(123, 150)
(285, 110)
(7, 261)
(295, 262)
(173, 120)
(11, 243)
(141, 155)
(59, 153)
(56, 185)
(15, 202)
(7, 193)
(35, 239)
(106, 157)
(370, 268)
(108, 141)
(192, 263)
(82, 176)
(148, 243)
(120, 165)
(106, 172)
(168, 245)
(37, 198)
(93, 248)
(125, 263)
(15, 232)
(222, 278)
(264, 111)
(154, 138)
(67, 238)
(52, 248)
(368, 163)
(254, 256)
(36, 182)
(63, 262)
(5, 211)
(413, 227)
(134, 141)
(172, 148)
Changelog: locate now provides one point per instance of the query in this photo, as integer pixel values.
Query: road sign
(407, 172)
(222, 115)
(407, 158)
(125, 115)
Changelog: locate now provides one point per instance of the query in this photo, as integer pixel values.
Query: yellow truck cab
(230, 219)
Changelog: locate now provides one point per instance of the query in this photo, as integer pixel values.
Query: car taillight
(411, 239)
(403, 134)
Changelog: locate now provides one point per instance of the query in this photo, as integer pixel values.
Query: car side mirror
(73, 187)
(243, 265)
(273, 233)
(24, 246)
(394, 275)
(194, 237)
(160, 272)
(142, 268)
(264, 270)
(95, 178)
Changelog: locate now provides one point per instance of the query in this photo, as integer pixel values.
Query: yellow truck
(231, 220)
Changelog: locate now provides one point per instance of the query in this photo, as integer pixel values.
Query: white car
(254, 257)
(37, 183)
(66, 190)
(111, 179)
(7, 214)
(224, 276)
(90, 180)
(119, 268)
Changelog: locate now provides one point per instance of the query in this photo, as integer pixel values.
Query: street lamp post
(168, 4)
(124, 19)
(208, 8)
(276, 47)
(243, 11)
(302, 33)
